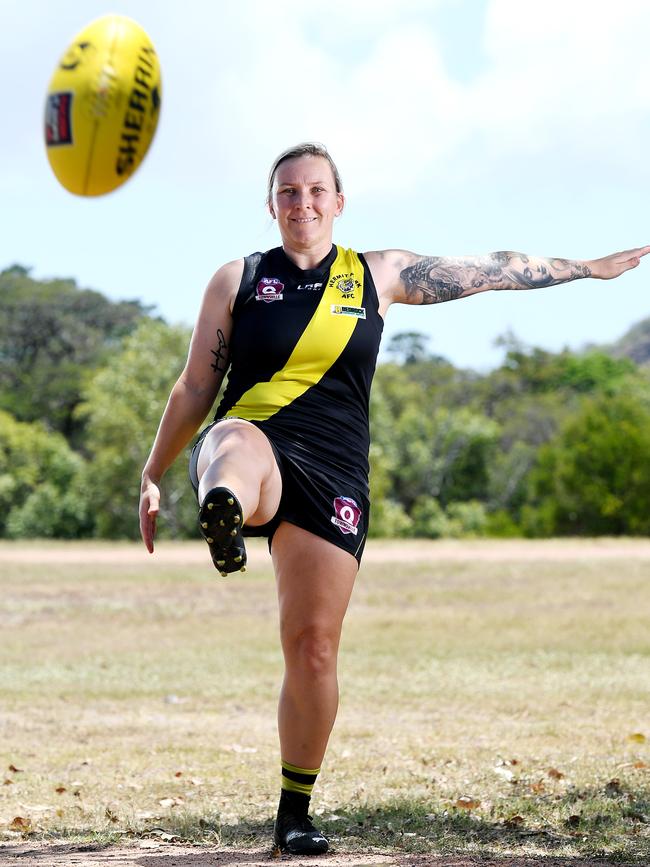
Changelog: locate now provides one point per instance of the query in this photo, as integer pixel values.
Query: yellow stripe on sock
(292, 786)
(318, 347)
(295, 786)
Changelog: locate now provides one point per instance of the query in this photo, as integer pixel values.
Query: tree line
(547, 444)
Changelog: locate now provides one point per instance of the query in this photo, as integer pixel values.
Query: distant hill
(634, 344)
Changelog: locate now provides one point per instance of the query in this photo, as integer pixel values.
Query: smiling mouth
(305, 220)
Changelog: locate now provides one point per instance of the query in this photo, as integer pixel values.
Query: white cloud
(561, 80)
(279, 81)
(564, 77)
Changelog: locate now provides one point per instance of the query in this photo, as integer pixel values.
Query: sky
(459, 127)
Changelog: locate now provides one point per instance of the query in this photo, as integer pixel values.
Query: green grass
(145, 688)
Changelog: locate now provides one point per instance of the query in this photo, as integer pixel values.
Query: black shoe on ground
(297, 835)
(220, 522)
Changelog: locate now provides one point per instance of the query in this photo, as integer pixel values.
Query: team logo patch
(269, 289)
(347, 515)
(342, 310)
(345, 283)
(58, 129)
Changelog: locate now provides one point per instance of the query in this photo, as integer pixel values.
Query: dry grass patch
(494, 699)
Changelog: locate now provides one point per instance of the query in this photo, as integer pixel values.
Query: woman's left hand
(617, 263)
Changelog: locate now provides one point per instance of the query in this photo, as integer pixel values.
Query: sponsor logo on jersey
(58, 126)
(269, 289)
(345, 283)
(347, 515)
(342, 310)
(313, 287)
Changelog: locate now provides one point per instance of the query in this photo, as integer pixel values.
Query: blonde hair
(308, 148)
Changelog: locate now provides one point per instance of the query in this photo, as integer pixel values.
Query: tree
(52, 335)
(634, 344)
(594, 477)
(42, 490)
(121, 410)
(540, 371)
(409, 347)
(444, 454)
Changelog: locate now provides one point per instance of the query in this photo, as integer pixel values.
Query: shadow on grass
(577, 823)
(580, 828)
(610, 822)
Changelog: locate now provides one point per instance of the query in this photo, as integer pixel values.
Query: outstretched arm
(407, 278)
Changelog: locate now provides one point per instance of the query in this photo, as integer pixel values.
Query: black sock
(297, 786)
(294, 802)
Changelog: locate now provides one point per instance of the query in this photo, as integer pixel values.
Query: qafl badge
(269, 289)
(347, 515)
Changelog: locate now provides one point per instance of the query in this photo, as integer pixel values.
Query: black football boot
(294, 832)
(220, 522)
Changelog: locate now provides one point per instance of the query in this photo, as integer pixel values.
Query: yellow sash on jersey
(318, 347)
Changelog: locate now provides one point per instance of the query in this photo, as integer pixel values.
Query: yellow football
(102, 106)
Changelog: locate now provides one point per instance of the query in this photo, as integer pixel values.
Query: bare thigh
(314, 580)
(314, 583)
(236, 454)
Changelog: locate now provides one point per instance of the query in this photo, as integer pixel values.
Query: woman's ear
(271, 211)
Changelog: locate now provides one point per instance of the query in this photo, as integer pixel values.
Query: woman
(299, 327)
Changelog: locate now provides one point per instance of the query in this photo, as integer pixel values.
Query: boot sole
(220, 524)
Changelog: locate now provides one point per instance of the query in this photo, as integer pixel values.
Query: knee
(312, 651)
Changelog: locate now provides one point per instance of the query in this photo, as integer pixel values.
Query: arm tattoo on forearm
(527, 272)
(220, 354)
(434, 279)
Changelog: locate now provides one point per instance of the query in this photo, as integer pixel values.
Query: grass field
(494, 700)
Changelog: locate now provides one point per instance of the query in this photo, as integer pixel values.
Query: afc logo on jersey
(347, 284)
(269, 289)
(347, 515)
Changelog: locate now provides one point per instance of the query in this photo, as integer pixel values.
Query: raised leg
(237, 455)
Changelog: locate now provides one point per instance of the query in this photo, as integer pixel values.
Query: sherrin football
(102, 106)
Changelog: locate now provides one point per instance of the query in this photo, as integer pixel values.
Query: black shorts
(312, 499)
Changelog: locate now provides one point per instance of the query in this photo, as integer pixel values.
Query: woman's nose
(303, 200)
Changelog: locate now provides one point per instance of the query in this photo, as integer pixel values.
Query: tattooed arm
(430, 280)
(407, 278)
(195, 390)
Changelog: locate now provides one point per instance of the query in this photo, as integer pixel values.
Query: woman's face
(305, 201)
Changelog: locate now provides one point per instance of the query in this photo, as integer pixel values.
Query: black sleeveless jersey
(302, 356)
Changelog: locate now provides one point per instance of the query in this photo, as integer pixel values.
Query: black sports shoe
(297, 835)
(220, 522)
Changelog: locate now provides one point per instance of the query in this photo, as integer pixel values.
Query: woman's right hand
(194, 392)
(149, 506)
